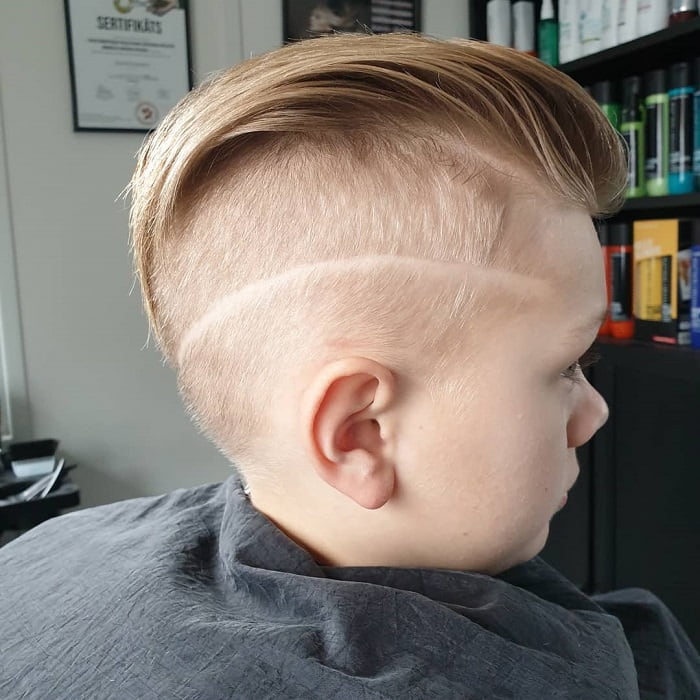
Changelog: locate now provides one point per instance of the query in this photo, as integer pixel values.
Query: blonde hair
(281, 210)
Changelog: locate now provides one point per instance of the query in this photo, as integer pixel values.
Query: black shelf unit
(632, 518)
(674, 201)
(669, 358)
(671, 207)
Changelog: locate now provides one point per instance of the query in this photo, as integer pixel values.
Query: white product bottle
(569, 36)
(524, 26)
(611, 13)
(627, 21)
(591, 26)
(652, 16)
(498, 22)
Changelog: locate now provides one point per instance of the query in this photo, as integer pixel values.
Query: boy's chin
(529, 551)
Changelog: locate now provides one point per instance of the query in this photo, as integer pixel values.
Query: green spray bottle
(604, 93)
(548, 35)
(632, 129)
(656, 142)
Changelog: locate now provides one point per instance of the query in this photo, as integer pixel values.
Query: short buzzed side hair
(273, 205)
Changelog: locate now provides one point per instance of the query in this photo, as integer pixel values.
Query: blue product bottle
(695, 289)
(680, 107)
(696, 112)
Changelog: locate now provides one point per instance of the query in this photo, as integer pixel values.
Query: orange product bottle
(603, 237)
(620, 287)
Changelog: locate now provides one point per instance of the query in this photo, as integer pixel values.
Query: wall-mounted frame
(130, 61)
(304, 19)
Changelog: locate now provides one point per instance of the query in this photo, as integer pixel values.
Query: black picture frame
(77, 126)
(361, 16)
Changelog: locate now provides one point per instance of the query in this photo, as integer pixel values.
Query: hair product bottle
(696, 126)
(605, 94)
(632, 129)
(524, 26)
(610, 16)
(620, 290)
(652, 16)
(627, 21)
(498, 22)
(591, 26)
(548, 35)
(682, 11)
(569, 38)
(602, 228)
(695, 289)
(656, 143)
(680, 111)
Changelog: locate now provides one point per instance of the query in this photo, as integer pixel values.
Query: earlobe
(346, 426)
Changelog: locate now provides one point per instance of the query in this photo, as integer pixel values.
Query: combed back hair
(282, 210)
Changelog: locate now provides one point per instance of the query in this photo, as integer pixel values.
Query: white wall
(90, 381)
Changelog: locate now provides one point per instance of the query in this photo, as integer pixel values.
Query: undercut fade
(281, 199)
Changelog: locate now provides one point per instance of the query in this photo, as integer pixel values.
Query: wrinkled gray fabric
(197, 595)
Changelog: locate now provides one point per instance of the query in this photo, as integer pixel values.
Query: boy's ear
(345, 426)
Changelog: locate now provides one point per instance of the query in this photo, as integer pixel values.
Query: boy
(351, 251)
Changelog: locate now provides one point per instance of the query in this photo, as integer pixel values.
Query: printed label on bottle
(621, 285)
(499, 22)
(653, 163)
(681, 134)
(666, 288)
(524, 26)
(631, 133)
(695, 290)
(696, 153)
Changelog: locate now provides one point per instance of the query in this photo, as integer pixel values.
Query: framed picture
(304, 19)
(129, 61)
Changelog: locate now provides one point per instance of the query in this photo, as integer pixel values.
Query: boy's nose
(589, 417)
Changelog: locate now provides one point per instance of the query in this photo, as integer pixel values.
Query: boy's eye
(590, 357)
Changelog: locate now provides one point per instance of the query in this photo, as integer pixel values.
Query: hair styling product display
(632, 129)
(658, 116)
(680, 107)
(656, 142)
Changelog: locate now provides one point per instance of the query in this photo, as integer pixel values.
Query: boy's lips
(565, 497)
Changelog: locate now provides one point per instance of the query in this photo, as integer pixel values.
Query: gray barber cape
(196, 595)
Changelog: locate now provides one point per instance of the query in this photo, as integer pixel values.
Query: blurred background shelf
(632, 517)
(660, 49)
(682, 204)
(655, 50)
(678, 360)
(676, 206)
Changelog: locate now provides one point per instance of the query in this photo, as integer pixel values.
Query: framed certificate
(304, 19)
(129, 61)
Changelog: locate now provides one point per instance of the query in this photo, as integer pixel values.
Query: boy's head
(371, 261)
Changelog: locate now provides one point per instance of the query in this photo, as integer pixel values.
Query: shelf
(678, 360)
(660, 49)
(672, 206)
